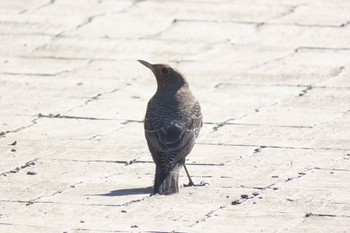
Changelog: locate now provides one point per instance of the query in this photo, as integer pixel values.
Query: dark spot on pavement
(13, 143)
(236, 202)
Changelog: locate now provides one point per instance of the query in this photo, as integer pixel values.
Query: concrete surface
(273, 79)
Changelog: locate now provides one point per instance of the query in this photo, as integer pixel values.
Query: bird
(172, 123)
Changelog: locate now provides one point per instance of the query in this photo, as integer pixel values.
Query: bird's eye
(165, 71)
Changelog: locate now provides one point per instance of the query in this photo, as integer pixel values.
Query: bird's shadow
(127, 192)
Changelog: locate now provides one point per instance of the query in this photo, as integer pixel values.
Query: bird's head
(168, 78)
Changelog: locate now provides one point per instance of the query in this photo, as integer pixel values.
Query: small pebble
(13, 143)
(236, 202)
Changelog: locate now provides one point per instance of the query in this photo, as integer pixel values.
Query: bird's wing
(171, 143)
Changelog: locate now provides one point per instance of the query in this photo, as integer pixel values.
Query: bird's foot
(202, 183)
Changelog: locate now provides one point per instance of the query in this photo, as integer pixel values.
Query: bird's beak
(148, 65)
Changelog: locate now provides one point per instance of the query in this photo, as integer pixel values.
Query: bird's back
(172, 123)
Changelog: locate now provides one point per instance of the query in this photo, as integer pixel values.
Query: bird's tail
(166, 182)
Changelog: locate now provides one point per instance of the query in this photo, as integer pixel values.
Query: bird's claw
(202, 183)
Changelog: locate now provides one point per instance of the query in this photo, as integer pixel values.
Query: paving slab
(273, 81)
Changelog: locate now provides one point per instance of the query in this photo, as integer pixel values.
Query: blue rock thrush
(172, 123)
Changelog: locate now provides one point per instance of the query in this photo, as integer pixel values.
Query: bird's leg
(190, 183)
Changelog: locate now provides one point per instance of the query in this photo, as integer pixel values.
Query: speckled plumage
(172, 123)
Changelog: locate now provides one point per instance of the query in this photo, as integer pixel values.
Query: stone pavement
(273, 79)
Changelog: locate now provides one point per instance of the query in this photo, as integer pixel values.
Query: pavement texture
(273, 80)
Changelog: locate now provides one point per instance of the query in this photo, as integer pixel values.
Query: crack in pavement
(334, 72)
(158, 34)
(73, 117)
(336, 118)
(271, 61)
(23, 225)
(126, 122)
(126, 9)
(288, 12)
(187, 163)
(259, 25)
(135, 201)
(334, 169)
(50, 74)
(257, 110)
(33, 122)
(88, 20)
(95, 161)
(221, 124)
(278, 126)
(93, 98)
(35, 200)
(183, 20)
(289, 179)
(273, 146)
(57, 58)
(20, 168)
(90, 60)
(256, 151)
(305, 91)
(300, 49)
(307, 215)
(29, 74)
(208, 215)
(297, 50)
(342, 25)
(51, 2)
